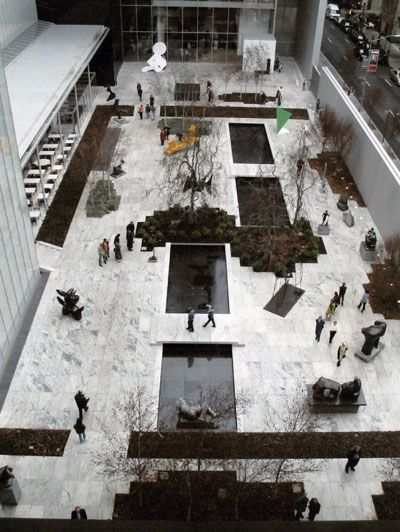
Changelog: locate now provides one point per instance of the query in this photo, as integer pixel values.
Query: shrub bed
(339, 178)
(387, 505)
(33, 442)
(253, 245)
(245, 97)
(384, 289)
(102, 199)
(58, 218)
(220, 111)
(263, 445)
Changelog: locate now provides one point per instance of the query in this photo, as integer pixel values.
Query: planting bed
(387, 505)
(193, 496)
(33, 442)
(197, 277)
(220, 111)
(384, 287)
(201, 374)
(265, 445)
(246, 97)
(261, 202)
(249, 144)
(61, 212)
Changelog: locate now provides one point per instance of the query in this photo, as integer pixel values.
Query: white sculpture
(156, 62)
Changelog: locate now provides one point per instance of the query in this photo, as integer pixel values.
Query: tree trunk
(279, 470)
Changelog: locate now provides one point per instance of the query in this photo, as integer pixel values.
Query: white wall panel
(15, 17)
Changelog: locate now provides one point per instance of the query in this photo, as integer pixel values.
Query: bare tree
(135, 414)
(338, 133)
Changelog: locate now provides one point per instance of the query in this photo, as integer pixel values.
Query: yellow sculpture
(175, 145)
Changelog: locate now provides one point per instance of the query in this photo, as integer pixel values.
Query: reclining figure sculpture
(372, 335)
(326, 390)
(69, 303)
(194, 412)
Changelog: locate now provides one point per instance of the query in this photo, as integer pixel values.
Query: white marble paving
(118, 343)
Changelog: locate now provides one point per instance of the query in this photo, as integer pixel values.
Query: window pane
(160, 23)
(130, 47)
(190, 19)
(220, 43)
(233, 23)
(220, 20)
(204, 49)
(129, 18)
(145, 46)
(205, 20)
(232, 53)
(143, 15)
(174, 50)
(190, 46)
(174, 19)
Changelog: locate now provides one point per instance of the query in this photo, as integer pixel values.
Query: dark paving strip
(107, 148)
(264, 445)
(21, 337)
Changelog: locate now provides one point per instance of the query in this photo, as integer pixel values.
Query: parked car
(361, 52)
(346, 25)
(395, 75)
(332, 11)
(383, 58)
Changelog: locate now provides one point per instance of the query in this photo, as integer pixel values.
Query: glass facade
(192, 30)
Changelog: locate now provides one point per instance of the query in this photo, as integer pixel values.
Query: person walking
(106, 249)
(313, 508)
(191, 313)
(341, 353)
(353, 457)
(81, 402)
(147, 110)
(363, 301)
(139, 91)
(117, 248)
(210, 316)
(141, 111)
(332, 331)
(162, 137)
(151, 99)
(342, 292)
(152, 112)
(319, 325)
(130, 233)
(78, 513)
(80, 429)
(101, 254)
(330, 311)
(336, 300)
(301, 507)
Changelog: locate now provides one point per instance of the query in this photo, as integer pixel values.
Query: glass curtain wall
(192, 31)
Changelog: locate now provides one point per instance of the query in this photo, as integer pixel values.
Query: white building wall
(19, 269)
(15, 17)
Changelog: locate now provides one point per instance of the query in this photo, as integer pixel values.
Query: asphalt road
(338, 49)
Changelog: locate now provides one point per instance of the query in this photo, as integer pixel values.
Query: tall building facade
(19, 270)
(390, 17)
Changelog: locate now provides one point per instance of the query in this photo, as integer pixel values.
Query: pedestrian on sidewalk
(341, 353)
(139, 91)
(336, 300)
(342, 292)
(117, 248)
(363, 301)
(301, 507)
(141, 111)
(81, 402)
(101, 254)
(330, 311)
(162, 137)
(147, 109)
(152, 112)
(280, 68)
(80, 429)
(319, 325)
(106, 249)
(78, 513)
(353, 457)
(332, 331)
(130, 233)
(304, 85)
(317, 105)
(191, 313)
(210, 315)
(313, 508)
(151, 100)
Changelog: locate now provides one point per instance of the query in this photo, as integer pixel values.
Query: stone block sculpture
(69, 303)
(372, 335)
(326, 390)
(342, 203)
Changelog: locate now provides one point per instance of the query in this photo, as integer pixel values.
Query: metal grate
(18, 45)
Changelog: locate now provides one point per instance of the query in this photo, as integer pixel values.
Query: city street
(339, 50)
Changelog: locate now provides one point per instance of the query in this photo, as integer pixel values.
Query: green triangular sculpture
(282, 116)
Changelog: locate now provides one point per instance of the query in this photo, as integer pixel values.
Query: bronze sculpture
(6, 476)
(372, 335)
(351, 390)
(326, 390)
(69, 303)
(370, 239)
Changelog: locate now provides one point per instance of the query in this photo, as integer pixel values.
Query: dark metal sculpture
(370, 239)
(372, 335)
(6, 477)
(342, 203)
(69, 303)
(351, 390)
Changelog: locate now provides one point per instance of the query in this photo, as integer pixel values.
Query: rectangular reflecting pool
(249, 144)
(201, 375)
(197, 277)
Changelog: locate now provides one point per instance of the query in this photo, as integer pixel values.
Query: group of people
(164, 134)
(192, 313)
(149, 109)
(82, 404)
(104, 246)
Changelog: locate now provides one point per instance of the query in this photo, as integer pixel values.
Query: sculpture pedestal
(323, 229)
(11, 494)
(348, 218)
(375, 351)
(368, 255)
